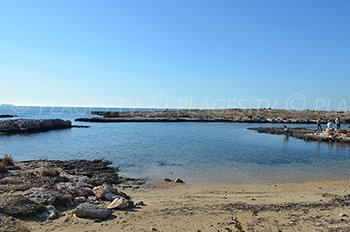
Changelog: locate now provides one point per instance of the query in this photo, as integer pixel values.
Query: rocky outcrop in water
(226, 115)
(7, 116)
(330, 136)
(32, 125)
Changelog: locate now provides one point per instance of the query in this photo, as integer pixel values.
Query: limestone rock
(120, 203)
(103, 190)
(32, 125)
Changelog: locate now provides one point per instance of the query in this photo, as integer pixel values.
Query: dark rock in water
(91, 211)
(32, 125)
(7, 116)
(168, 180)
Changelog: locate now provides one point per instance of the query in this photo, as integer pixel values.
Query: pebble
(141, 203)
(179, 181)
(343, 215)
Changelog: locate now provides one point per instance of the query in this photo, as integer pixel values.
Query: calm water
(196, 152)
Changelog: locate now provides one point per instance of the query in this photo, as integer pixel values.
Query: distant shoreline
(226, 115)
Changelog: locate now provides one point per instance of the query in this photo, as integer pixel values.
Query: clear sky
(183, 53)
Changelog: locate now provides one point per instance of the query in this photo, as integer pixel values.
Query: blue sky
(192, 54)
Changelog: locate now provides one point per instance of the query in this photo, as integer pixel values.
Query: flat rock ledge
(329, 135)
(7, 116)
(19, 126)
(218, 115)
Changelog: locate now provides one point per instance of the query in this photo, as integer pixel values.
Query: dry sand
(258, 207)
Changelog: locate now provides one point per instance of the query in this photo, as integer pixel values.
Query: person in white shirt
(338, 122)
(329, 124)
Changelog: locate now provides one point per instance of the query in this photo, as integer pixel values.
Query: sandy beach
(307, 206)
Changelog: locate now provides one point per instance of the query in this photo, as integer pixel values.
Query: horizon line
(164, 108)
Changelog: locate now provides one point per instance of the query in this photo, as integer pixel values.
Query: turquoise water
(196, 152)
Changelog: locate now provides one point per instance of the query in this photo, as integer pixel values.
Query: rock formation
(32, 125)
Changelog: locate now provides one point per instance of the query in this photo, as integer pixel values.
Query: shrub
(3, 168)
(51, 172)
(7, 161)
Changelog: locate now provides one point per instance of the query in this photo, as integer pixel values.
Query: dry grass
(7, 161)
(51, 172)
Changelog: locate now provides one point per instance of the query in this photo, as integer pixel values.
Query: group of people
(337, 122)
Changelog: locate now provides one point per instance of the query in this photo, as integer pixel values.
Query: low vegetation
(7, 161)
(51, 172)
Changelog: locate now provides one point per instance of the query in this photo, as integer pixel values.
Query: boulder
(103, 190)
(91, 211)
(120, 203)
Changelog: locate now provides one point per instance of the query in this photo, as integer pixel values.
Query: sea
(198, 153)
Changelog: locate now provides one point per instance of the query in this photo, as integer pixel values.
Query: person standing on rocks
(329, 124)
(338, 122)
(319, 125)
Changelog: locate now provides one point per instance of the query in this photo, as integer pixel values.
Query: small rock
(153, 229)
(141, 203)
(109, 189)
(343, 215)
(88, 210)
(52, 212)
(51, 200)
(79, 200)
(111, 196)
(168, 180)
(99, 192)
(120, 203)
(179, 181)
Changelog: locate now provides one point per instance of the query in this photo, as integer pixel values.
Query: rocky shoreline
(329, 136)
(227, 115)
(88, 195)
(45, 190)
(20, 126)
